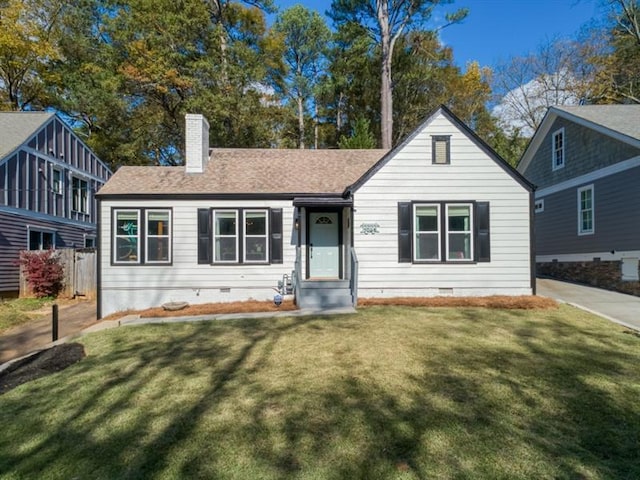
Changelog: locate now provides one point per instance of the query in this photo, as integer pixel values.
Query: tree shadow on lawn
(533, 407)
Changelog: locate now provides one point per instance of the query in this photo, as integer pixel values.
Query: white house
(441, 214)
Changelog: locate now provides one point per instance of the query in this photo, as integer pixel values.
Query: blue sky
(498, 29)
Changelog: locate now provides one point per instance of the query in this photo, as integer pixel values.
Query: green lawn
(20, 310)
(388, 393)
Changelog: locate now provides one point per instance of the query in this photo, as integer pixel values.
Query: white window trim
(554, 166)
(40, 230)
(116, 236)
(84, 206)
(265, 236)
(86, 237)
(538, 205)
(415, 232)
(470, 232)
(60, 189)
(147, 236)
(582, 232)
(215, 236)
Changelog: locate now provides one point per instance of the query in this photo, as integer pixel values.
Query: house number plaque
(369, 228)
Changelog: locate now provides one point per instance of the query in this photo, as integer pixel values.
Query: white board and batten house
(441, 214)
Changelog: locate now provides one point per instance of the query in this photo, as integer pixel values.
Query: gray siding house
(440, 214)
(585, 163)
(48, 180)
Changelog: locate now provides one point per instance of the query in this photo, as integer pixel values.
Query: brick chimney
(197, 142)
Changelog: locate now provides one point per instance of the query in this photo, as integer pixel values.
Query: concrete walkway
(617, 307)
(35, 335)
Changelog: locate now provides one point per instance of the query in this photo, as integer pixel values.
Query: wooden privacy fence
(79, 273)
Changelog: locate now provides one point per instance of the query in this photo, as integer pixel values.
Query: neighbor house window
(557, 149)
(459, 232)
(158, 236)
(89, 241)
(427, 232)
(431, 243)
(441, 149)
(56, 184)
(80, 195)
(41, 240)
(585, 210)
(142, 236)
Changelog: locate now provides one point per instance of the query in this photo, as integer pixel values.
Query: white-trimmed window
(557, 149)
(539, 206)
(459, 232)
(586, 211)
(256, 240)
(41, 239)
(126, 238)
(158, 236)
(427, 232)
(80, 195)
(56, 181)
(225, 236)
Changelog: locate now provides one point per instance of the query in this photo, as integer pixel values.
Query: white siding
(139, 286)
(471, 176)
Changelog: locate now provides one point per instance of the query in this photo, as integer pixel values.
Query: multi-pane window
(240, 236)
(459, 233)
(455, 244)
(585, 210)
(557, 149)
(255, 236)
(427, 232)
(39, 240)
(126, 245)
(80, 195)
(56, 184)
(142, 236)
(225, 236)
(158, 236)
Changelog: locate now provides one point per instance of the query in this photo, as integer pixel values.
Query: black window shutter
(483, 245)
(205, 245)
(404, 232)
(276, 235)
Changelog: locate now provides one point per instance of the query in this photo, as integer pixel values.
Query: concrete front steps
(324, 294)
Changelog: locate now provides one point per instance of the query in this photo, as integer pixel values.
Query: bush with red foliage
(43, 271)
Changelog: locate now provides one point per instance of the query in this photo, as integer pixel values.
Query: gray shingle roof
(251, 171)
(17, 127)
(624, 119)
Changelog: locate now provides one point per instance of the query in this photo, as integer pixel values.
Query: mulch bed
(524, 302)
(43, 363)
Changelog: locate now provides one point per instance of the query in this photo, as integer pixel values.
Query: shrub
(43, 271)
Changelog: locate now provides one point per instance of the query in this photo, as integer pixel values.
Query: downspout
(98, 260)
(532, 239)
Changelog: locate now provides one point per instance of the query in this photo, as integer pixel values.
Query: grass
(390, 392)
(20, 310)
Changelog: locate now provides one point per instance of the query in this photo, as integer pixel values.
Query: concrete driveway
(617, 307)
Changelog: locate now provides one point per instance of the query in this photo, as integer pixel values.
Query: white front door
(324, 245)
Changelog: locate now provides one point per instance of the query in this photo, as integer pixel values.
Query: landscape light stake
(54, 321)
